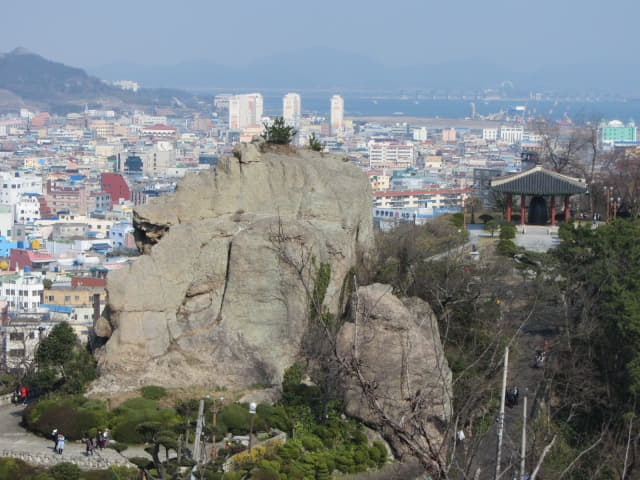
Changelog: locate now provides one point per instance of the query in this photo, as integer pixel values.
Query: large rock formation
(402, 367)
(220, 296)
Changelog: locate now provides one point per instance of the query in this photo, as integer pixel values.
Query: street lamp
(612, 205)
(252, 412)
(216, 409)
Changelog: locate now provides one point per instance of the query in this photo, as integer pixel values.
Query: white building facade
(337, 115)
(27, 209)
(292, 109)
(391, 155)
(245, 110)
(14, 185)
(22, 291)
(511, 135)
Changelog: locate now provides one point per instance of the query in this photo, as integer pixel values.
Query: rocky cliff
(219, 297)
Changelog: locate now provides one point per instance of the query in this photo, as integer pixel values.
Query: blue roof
(57, 308)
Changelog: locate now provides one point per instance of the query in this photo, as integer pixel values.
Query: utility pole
(523, 451)
(196, 440)
(501, 414)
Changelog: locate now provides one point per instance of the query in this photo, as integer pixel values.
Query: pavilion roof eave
(539, 181)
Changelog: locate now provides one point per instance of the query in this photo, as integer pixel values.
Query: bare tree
(563, 147)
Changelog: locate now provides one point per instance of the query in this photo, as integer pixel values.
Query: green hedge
(72, 416)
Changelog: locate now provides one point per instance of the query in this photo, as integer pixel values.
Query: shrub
(506, 248)
(73, 417)
(290, 450)
(236, 418)
(315, 144)
(9, 468)
(361, 458)
(138, 404)
(359, 438)
(311, 443)
(153, 392)
(378, 453)
(120, 473)
(507, 231)
(136, 411)
(65, 471)
(457, 220)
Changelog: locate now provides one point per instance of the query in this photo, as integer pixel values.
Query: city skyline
(523, 35)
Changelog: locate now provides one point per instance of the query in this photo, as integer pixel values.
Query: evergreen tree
(279, 132)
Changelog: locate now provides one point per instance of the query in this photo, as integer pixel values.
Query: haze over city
(524, 35)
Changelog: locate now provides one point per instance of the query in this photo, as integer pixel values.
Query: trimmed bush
(153, 392)
(73, 417)
(507, 231)
(65, 471)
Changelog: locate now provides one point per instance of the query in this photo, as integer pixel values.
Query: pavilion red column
(553, 210)
(523, 199)
(567, 212)
(508, 207)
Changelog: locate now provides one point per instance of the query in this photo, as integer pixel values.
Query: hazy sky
(519, 33)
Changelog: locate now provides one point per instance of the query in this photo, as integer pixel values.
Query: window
(77, 298)
(16, 336)
(51, 298)
(67, 298)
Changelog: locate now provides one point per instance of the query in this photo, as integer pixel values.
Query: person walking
(99, 439)
(89, 443)
(54, 436)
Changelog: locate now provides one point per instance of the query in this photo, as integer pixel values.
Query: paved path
(16, 442)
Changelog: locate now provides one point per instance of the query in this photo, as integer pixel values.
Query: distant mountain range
(328, 69)
(27, 79)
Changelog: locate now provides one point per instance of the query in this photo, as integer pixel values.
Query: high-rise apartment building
(337, 115)
(291, 109)
(245, 110)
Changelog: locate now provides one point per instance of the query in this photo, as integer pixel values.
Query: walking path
(16, 442)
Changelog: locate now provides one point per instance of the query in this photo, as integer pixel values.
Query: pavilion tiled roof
(539, 181)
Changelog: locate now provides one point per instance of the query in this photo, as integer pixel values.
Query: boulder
(220, 295)
(402, 364)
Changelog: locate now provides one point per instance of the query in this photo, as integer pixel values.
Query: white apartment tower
(245, 111)
(337, 115)
(291, 109)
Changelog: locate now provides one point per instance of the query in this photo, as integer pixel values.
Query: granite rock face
(398, 348)
(217, 298)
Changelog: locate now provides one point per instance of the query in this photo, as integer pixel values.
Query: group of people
(512, 397)
(58, 441)
(21, 395)
(101, 441)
